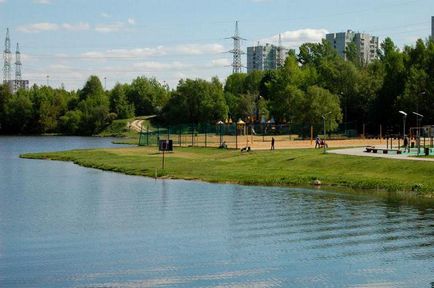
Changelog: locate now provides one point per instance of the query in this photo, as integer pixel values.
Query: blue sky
(167, 39)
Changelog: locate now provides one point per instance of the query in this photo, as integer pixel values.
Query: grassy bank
(280, 167)
(119, 128)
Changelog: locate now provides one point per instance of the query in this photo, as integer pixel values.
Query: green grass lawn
(119, 128)
(296, 167)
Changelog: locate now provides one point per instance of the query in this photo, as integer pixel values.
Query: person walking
(272, 143)
(406, 144)
(317, 142)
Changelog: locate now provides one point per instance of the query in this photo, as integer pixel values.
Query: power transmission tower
(237, 53)
(7, 59)
(18, 64)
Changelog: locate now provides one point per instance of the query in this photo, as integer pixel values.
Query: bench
(384, 150)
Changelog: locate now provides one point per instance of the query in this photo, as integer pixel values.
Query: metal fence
(234, 135)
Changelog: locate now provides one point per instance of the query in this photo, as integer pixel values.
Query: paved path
(136, 125)
(359, 152)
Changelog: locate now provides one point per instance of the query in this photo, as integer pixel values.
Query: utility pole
(48, 80)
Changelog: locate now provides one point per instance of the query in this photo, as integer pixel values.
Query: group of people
(319, 143)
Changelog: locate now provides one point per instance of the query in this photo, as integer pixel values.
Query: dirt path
(136, 125)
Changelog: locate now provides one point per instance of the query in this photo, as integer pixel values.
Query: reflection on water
(66, 226)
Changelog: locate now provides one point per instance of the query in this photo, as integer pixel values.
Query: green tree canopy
(196, 101)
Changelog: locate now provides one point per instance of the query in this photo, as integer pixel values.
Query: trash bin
(426, 151)
(412, 145)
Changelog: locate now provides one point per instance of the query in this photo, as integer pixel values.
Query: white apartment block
(366, 44)
(265, 57)
(432, 27)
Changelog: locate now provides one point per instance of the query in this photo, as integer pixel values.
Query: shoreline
(262, 168)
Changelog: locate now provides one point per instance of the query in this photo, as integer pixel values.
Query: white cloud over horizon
(80, 26)
(43, 2)
(47, 26)
(181, 49)
(294, 38)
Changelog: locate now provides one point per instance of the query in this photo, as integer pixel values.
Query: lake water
(62, 225)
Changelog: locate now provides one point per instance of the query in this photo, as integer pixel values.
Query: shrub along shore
(295, 167)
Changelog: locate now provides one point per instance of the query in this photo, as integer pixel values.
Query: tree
(4, 98)
(147, 95)
(314, 53)
(316, 102)
(17, 113)
(196, 101)
(119, 103)
(384, 109)
(352, 53)
(94, 107)
(70, 122)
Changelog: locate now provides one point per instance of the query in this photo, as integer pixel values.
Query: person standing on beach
(272, 143)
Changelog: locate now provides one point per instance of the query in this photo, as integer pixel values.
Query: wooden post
(381, 133)
(236, 136)
(163, 160)
(363, 130)
(192, 135)
(311, 135)
(206, 135)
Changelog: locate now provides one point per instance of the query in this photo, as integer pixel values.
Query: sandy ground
(136, 125)
(281, 142)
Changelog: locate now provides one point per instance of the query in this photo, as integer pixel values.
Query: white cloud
(297, 37)
(38, 27)
(110, 27)
(46, 26)
(76, 27)
(222, 62)
(198, 49)
(125, 53)
(159, 66)
(105, 15)
(115, 26)
(184, 49)
(44, 2)
(2, 1)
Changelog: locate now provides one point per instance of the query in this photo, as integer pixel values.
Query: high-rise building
(366, 44)
(265, 57)
(432, 27)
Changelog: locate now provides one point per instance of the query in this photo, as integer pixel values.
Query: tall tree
(196, 101)
(119, 103)
(94, 106)
(148, 95)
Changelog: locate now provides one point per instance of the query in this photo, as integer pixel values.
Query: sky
(120, 40)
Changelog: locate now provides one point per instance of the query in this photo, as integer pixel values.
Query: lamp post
(403, 122)
(418, 120)
(324, 121)
(220, 124)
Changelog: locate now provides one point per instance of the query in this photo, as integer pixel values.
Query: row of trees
(84, 112)
(311, 83)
